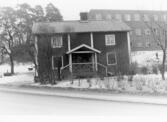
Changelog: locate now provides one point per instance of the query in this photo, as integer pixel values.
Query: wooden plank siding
(121, 48)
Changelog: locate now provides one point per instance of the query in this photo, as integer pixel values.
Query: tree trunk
(163, 65)
(11, 64)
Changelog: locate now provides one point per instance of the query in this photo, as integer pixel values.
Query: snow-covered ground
(22, 74)
(141, 83)
(145, 58)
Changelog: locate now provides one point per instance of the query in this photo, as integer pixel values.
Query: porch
(83, 62)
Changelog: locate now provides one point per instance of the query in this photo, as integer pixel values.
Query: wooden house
(81, 48)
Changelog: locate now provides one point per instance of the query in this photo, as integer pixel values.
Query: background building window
(138, 32)
(127, 17)
(57, 62)
(111, 58)
(147, 32)
(155, 31)
(137, 17)
(118, 17)
(56, 41)
(148, 44)
(145, 18)
(139, 44)
(108, 17)
(98, 17)
(110, 39)
(165, 17)
(155, 17)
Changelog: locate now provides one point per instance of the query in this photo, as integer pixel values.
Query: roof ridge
(140, 10)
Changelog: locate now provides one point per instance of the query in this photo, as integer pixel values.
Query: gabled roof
(78, 27)
(81, 46)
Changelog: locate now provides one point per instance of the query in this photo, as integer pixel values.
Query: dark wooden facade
(93, 42)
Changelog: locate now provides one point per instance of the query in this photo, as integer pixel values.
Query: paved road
(29, 104)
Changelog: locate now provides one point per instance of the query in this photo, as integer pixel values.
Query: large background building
(141, 36)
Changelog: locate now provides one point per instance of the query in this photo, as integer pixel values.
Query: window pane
(98, 17)
(155, 17)
(138, 32)
(146, 18)
(137, 17)
(110, 39)
(118, 17)
(127, 17)
(57, 41)
(111, 58)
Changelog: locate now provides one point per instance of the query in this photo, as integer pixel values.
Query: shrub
(132, 70)
(144, 70)
(160, 67)
(154, 69)
(119, 76)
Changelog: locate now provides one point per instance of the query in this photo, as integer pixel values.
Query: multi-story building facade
(142, 38)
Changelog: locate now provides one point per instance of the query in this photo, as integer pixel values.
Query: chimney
(84, 16)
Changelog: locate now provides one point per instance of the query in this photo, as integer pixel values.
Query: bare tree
(8, 33)
(158, 30)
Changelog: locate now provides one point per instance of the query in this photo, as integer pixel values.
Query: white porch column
(69, 42)
(129, 46)
(91, 39)
(70, 55)
(96, 68)
(93, 61)
(70, 62)
(36, 54)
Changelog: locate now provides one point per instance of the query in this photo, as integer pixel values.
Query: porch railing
(83, 70)
(102, 70)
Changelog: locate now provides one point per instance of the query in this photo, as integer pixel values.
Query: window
(146, 18)
(139, 44)
(147, 32)
(155, 17)
(111, 58)
(118, 17)
(56, 41)
(155, 31)
(165, 17)
(57, 62)
(148, 43)
(98, 17)
(131, 33)
(110, 39)
(108, 17)
(127, 17)
(138, 32)
(137, 17)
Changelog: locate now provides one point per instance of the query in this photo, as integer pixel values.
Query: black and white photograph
(83, 58)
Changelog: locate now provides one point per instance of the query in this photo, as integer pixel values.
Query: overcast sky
(70, 9)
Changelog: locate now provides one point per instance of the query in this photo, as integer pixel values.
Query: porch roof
(81, 46)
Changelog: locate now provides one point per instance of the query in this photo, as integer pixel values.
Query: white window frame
(107, 54)
(53, 67)
(111, 43)
(52, 41)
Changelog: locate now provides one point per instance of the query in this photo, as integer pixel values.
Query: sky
(70, 9)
